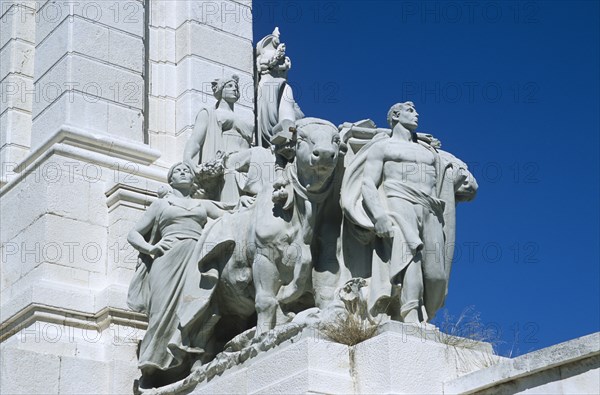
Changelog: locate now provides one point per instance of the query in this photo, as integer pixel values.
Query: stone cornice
(104, 153)
(120, 193)
(99, 321)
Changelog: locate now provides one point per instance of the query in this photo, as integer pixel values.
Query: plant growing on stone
(353, 325)
(470, 340)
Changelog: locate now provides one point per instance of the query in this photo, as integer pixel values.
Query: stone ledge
(526, 365)
(120, 193)
(98, 321)
(97, 148)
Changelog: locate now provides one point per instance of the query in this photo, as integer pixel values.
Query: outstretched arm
(372, 176)
(194, 145)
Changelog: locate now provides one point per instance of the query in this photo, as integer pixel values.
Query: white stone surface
(94, 79)
(194, 39)
(89, 68)
(49, 357)
(125, 16)
(39, 371)
(18, 92)
(228, 16)
(311, 364)
(70, 46)
(15, 129)
(407, 360)
(17, 53)
(17, 57)
(402, 359)
(17, 22)
(219, 32)
(171, 146)
(572, 367)
(56, 253)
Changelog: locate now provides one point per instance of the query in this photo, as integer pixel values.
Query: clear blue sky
(512, 88)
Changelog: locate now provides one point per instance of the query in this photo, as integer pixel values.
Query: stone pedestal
(405, 359)
(399, 359)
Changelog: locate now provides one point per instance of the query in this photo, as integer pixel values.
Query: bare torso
(409, 163)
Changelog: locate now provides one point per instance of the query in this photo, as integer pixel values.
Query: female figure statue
(168, 285)
(219, 131)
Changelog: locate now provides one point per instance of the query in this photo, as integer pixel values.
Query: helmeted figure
(276, 109)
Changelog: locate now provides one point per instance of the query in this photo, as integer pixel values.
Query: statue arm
(366, 133)
(372, 177)
(286, 106)
(194, 145)
(216, 210)
(142, 227)
(239, 161)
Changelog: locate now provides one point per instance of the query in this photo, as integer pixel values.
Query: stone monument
(393, 195)
(164, 243)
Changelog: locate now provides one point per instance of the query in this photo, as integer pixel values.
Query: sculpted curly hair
(396, 108)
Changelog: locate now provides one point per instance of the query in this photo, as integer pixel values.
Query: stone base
(53, 358)
(399, 359)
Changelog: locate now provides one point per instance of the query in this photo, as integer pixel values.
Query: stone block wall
(98, 98)
(196, 42)
(17, 49)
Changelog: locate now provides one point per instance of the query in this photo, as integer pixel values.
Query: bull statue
(267, 273)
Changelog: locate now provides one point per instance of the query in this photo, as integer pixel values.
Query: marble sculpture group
(259, 224)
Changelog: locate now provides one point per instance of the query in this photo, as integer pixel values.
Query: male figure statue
(406, 215)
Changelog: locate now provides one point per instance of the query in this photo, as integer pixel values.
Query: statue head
(270, 55)
(318, 145)
(269, 42)
(405, 114)
(182, 176)
(227, 89)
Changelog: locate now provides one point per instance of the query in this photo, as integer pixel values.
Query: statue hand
(280, 193)
(158, 249)
(384, 227)
(246, 201)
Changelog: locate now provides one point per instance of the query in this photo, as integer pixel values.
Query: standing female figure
(168, 286)
(221, 130)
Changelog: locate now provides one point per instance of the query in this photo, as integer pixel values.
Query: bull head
(317, 150)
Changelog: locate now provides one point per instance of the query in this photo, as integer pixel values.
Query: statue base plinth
(400, 358)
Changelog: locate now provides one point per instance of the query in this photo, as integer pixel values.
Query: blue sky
(512, 88)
